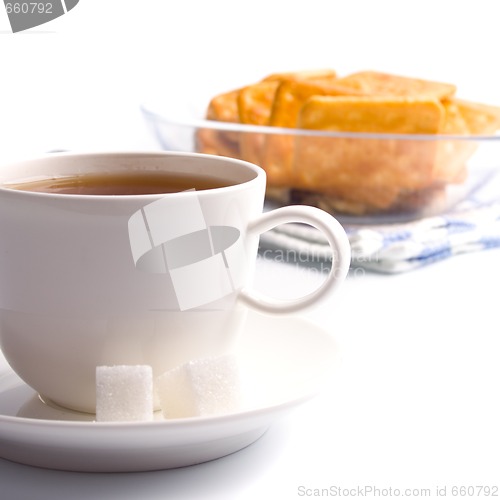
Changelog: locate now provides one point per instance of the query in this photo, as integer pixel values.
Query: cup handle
(339, 243)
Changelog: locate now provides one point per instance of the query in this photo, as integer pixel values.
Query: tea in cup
(133, 259)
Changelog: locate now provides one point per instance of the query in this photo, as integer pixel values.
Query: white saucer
(286, 361)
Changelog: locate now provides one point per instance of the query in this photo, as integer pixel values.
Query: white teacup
(157, 279)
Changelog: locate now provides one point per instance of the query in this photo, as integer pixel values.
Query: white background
(416, 403)
(77, 81)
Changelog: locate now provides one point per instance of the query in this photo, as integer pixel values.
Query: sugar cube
(207, 386)
(124, 393)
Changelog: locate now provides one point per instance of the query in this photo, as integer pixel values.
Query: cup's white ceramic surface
(89, 280)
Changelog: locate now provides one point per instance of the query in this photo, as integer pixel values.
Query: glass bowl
(358, 177)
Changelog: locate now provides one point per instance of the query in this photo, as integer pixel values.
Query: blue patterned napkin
(473, 225)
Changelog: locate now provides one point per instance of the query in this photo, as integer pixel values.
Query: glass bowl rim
(201, 123)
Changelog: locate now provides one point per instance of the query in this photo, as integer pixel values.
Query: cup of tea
(133, 258)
